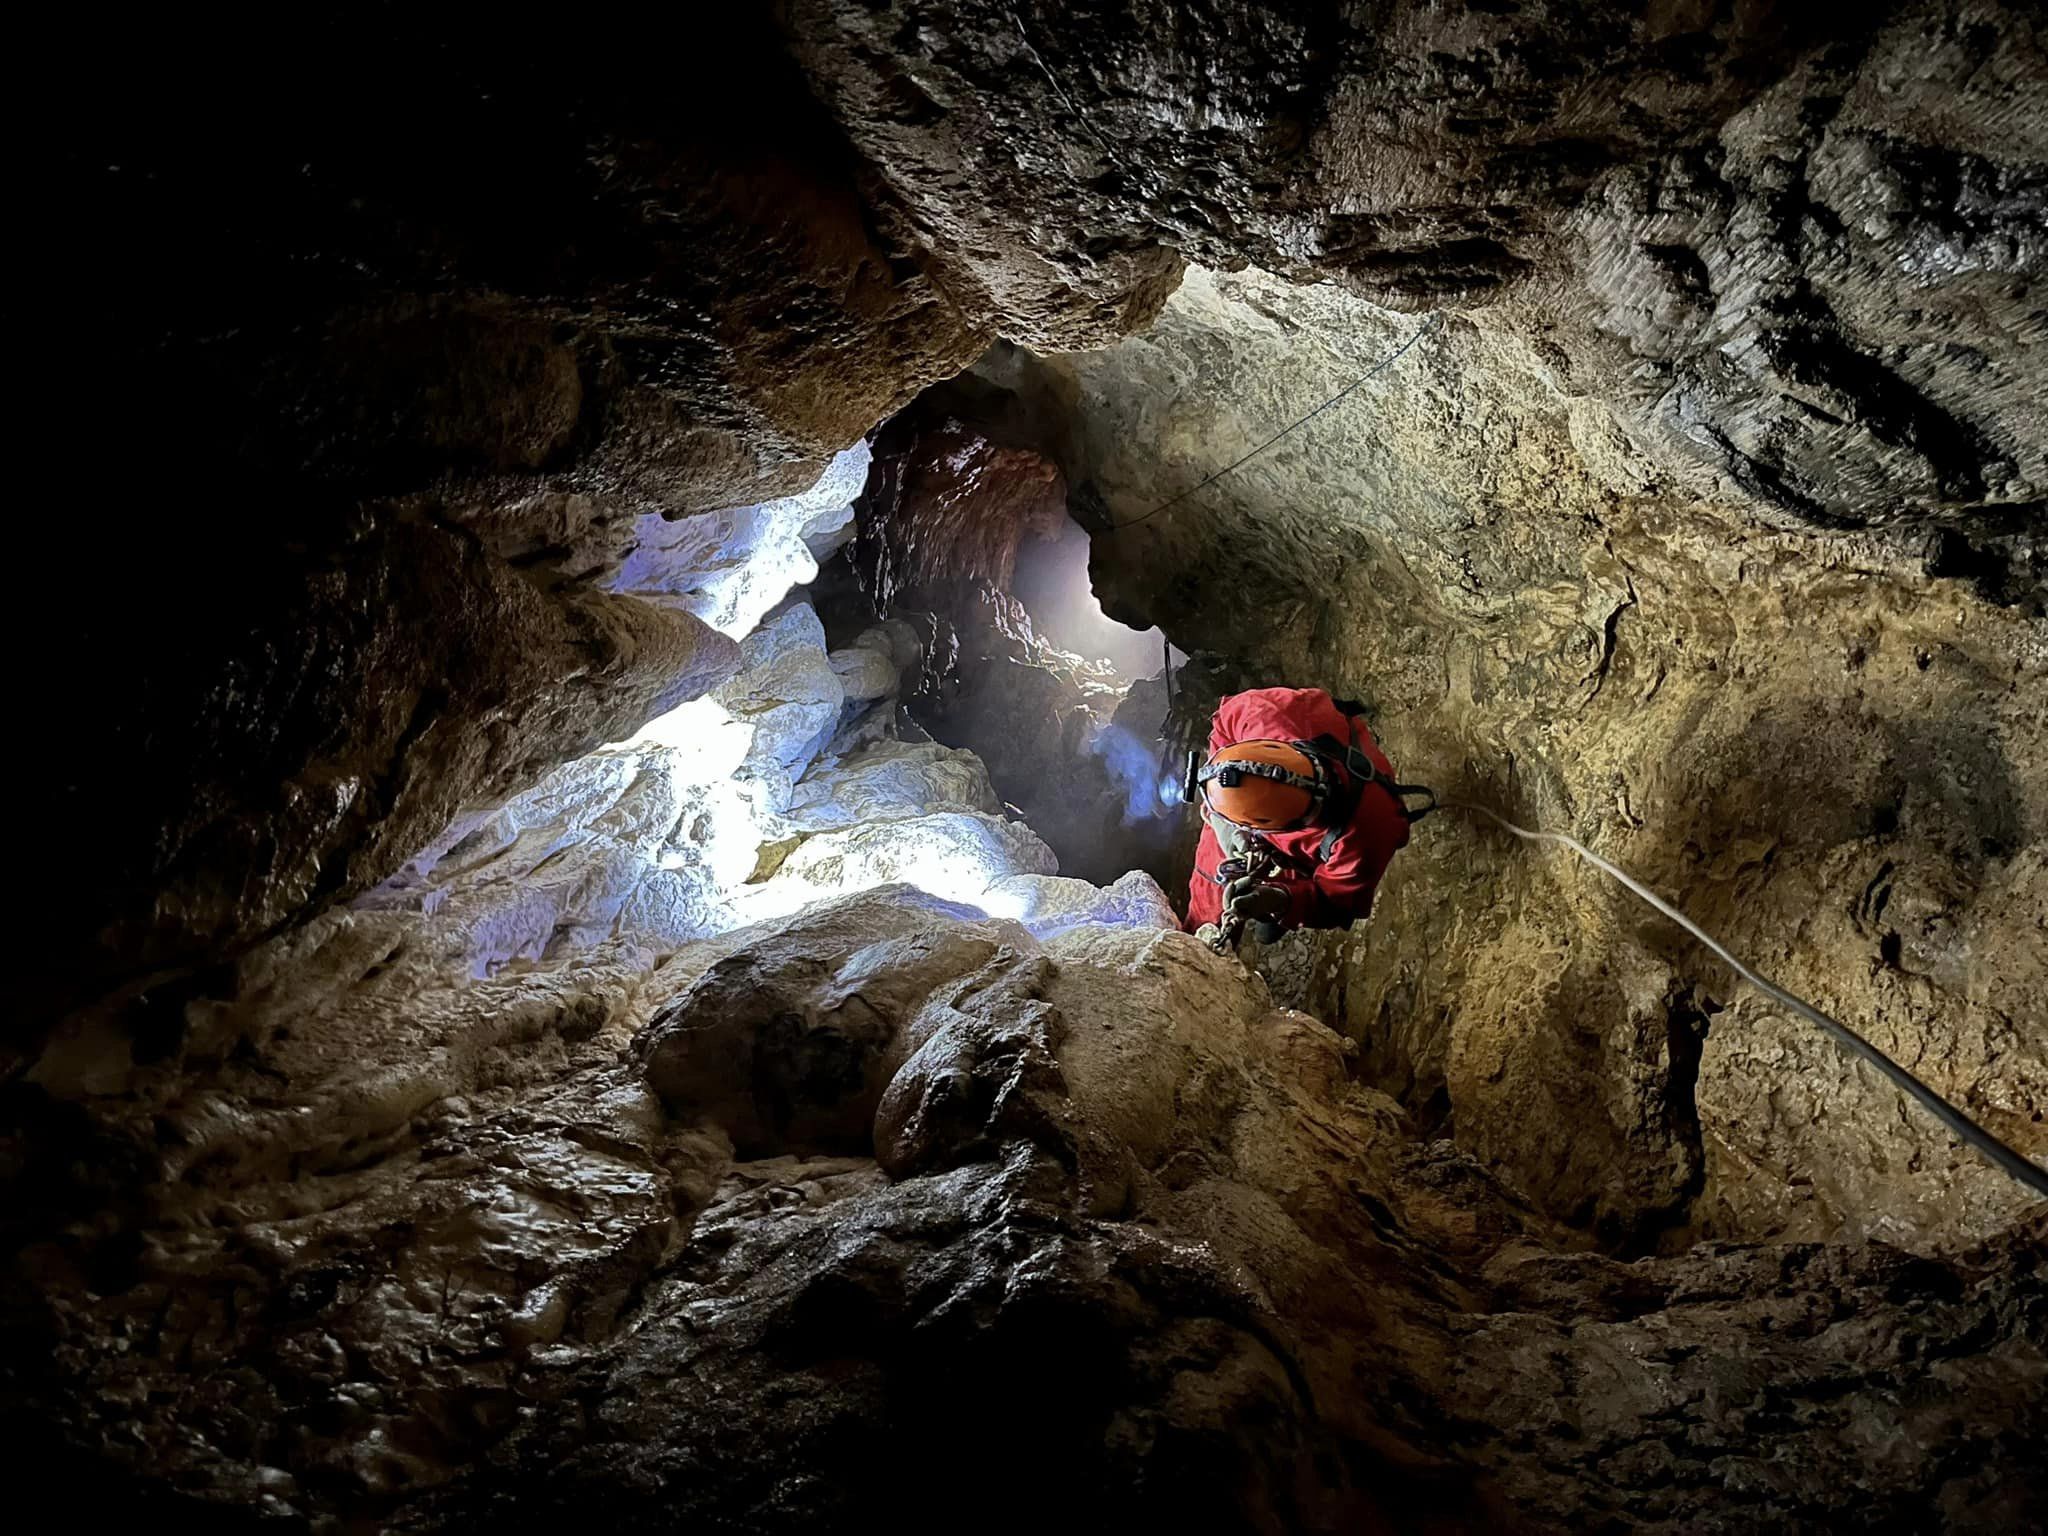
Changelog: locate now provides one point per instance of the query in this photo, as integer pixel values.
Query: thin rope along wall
(1986, 1145)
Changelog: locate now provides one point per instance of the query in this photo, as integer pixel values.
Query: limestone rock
(892, 781)
(981, 1067)
(1655, 241)
(1049, 904)
(786, 1045)
(955, 855)
(1113, 1161)
(866, 669)
(1788, 757)
(426, 1116)
(730, 568)
(789, 694)
(945, 517)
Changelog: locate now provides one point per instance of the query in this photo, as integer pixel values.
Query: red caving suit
(1324, 893)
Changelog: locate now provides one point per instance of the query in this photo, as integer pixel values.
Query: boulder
(955, 855)
(1049, 905)
(785, 1045)
(788, 693)
(892, 781)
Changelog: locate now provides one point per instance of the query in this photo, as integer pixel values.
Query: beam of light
(1135, 768)
(1054, 587)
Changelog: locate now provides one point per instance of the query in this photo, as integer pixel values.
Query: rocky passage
(949, 516)
(1833, 763)
(552, 993)
(718, 1239)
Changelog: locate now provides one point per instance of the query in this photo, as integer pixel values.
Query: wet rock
(786, 1045)
(472, 1267)
(982, 1066)
(452, 1121)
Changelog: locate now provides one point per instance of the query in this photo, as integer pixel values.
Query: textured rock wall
(956, 502)
(748, 1236)
(440, 1162)
(1834, 761)
(431, 363)
(312, 1241)
(445, 365)
(1797, 252)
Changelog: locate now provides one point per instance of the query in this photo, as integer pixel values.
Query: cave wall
(330, 1226)
(1795, 251)
(1833, 760)
(958, 497)
(430, 397)
(443, 362)
(1729, 447)
(410, 344)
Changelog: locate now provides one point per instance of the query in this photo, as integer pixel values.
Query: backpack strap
(1363, 771)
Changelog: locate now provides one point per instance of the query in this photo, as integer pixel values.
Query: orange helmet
(1268, 786)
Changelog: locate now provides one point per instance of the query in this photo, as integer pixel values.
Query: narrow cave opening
(604, 944)
(965, 537)
(1055, 591)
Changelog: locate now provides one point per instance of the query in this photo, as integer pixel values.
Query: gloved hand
(1256, 901)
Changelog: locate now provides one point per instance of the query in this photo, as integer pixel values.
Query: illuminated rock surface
(1839, 773)
(522, 1030)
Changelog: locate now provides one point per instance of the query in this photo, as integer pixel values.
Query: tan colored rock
(1830, 770)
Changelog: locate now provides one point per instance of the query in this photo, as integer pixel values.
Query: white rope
(2029, 1173)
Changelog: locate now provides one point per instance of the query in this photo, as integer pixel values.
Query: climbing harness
(1255, 864)
(1988, 1146)
(1247, 856)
